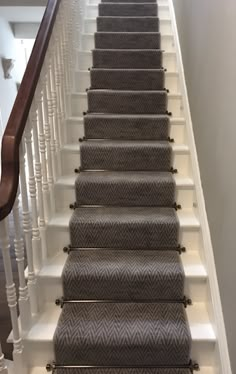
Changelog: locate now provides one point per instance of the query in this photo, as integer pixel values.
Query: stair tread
(69, 180)
(122, 334)
(123, 275)
(187, 219)
(44, 328)
(169, 95)
(41, 370)
(192, 264)
(177, 148)
(173, 121)
(125, 189)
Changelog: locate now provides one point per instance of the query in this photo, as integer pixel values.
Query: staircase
(127, 282)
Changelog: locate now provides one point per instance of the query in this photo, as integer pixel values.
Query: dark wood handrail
(17, 120)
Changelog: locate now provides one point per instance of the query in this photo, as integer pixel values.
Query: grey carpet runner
(123, 281)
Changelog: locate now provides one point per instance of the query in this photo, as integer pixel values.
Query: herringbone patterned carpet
(124, 277)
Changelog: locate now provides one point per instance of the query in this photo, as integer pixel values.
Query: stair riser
(71, 160)
(39, 353)
(76, 131)
(91, 11)
(90, 26)
(167, 42)
(51, 288)
(84, 61)
(82, 82)
(79, 105)
(58, 237)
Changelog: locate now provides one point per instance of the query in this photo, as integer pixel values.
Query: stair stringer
(222, 365)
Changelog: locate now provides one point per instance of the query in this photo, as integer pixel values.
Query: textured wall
(207, 31)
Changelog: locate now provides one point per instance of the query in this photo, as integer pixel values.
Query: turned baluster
(36, 239)
(33, 121)
(24, 304)
(49, 114)
(53, 110)
(50, 151)
(11, 298)
(42, 150)
(32, 244)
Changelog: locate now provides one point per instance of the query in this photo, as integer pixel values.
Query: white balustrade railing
(40, 167)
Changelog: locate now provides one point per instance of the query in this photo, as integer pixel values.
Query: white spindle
(32, 245)
(52, 115)
(3, 366)
(24, 304)
(11, 298)
(50, 154)
(33, 120)
(42, 150)
(36, 239)
(49, 106)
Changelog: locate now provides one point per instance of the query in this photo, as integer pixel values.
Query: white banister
(24, 304)
(11, 298)
(40, 166)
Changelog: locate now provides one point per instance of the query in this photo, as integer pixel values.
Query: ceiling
(22, 13)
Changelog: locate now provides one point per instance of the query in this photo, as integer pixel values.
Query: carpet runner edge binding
(127, 109)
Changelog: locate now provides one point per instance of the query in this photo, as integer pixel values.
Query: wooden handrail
(17, 120)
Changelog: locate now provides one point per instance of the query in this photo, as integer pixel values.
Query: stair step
(195, 287)
(129, 127)
(91, 10)
(128, 9)
(123, 275)
(127, 59)
(58, 231)
(120, 334)
(65, 191)
(38, 343)
(109, 60)
(126, 155)
(97, 125)
(132, 40)
(173, 102)
(125, 189)
(127, 79)
(83, 78)
(127, 102)
(127, 24)
(90, 25)
(123, 40)
(120, 227)
(180, 158)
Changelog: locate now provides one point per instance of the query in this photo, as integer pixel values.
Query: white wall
(9, 48)
(207, 30)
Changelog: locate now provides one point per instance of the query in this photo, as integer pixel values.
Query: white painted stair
(38, 342)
